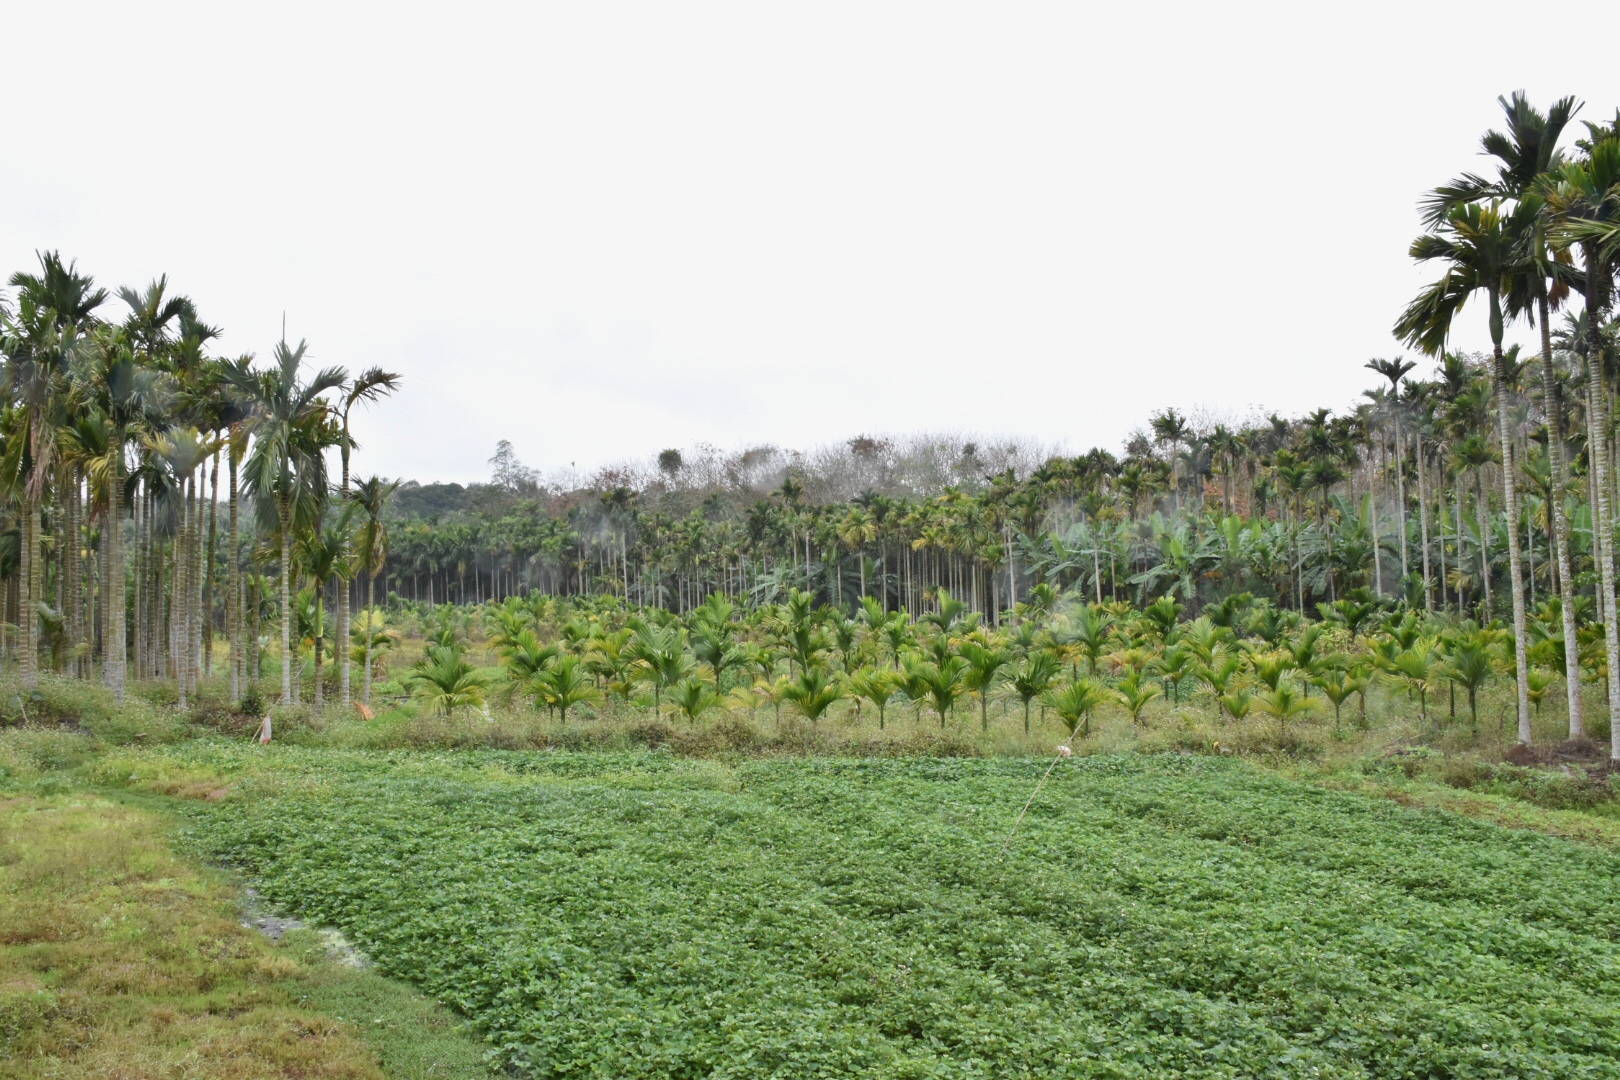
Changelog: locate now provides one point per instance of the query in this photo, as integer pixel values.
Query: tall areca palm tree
(1483, 248)
(183, 451)
(322, 556)
(55, 309)
(1395, 370)
(235, 410)
(292, 427)
(131, 398)
(371, 552)
(856, 530)
(369, 385)
(1527, 155)
(1582, 205)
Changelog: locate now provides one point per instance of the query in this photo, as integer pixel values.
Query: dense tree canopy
(1466, 487)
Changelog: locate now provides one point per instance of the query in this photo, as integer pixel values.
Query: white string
(1061, 754)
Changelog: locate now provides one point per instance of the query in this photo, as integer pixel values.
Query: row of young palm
(124, 558)
(1070, 658)
(1478, 492)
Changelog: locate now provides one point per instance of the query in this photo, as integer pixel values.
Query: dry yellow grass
(120, 962)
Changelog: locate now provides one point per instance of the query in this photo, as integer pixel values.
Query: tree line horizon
(1483, 490)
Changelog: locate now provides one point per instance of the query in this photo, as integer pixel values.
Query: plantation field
(640, 915)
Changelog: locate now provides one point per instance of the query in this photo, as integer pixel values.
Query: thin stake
(1061, 754)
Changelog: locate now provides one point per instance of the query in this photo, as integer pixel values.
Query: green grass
(412, 1037)
(637, 915)
(120, 959)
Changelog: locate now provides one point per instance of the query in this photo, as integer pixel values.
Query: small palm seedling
(876, 685)
(370, 641)
(1160, 617)
(1336, 684)
(1238, 703)
(661, 651)
(1406, 632)
(938, 684)
(564, 684)
(1173, 666)
(524, 657)
(1202, 637)
(1092, 631)
(445, 682)
(1415, 667)
(893, 633)
(1285, 703)
(985, 667)
(813, 692)
(1469, 666)
(611, 659)
(691, 697)
(1536, 686)
(1135, 694)
(1032, 678)
(1270, 669)
(1270, 623)
(1075, 703)
(1351, 611)
(1359, 678)
(1308, 658)
(1218, 675)
(507, 623)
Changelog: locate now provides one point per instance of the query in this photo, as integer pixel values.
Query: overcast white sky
(602, 229)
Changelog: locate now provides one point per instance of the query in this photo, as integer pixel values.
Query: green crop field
(637, 915)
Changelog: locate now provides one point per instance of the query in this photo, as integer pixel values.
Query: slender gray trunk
(180, 593)
(340, 646)
(1423, 528)
(371, 607)
(1553, 405)
(113, 663)
(286, 602)
(233, 589)
(27, 610)
(1602, 531)
(1400, 479)
(1510, 498)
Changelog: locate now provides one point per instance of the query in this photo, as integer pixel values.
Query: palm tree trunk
(210, 586)
(140, 592)
(180, 593)
(27, 612)
(1423, 528)
(340, 647)
(1400, 480)
(113, 666)
(198, 570)
(1456, 529)
(371, 606)
(73, 620)
(1510, 499)
(1553, 406)
(1378, 555)
(233, 585)
(1482, 514)
(286, 600)
(1603, 528)
(320, 694)
(162, 603)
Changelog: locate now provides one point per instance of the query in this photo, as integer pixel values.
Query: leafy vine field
(638, 915)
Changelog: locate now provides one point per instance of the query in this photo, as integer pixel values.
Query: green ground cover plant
(119, 960)
(641, 915)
